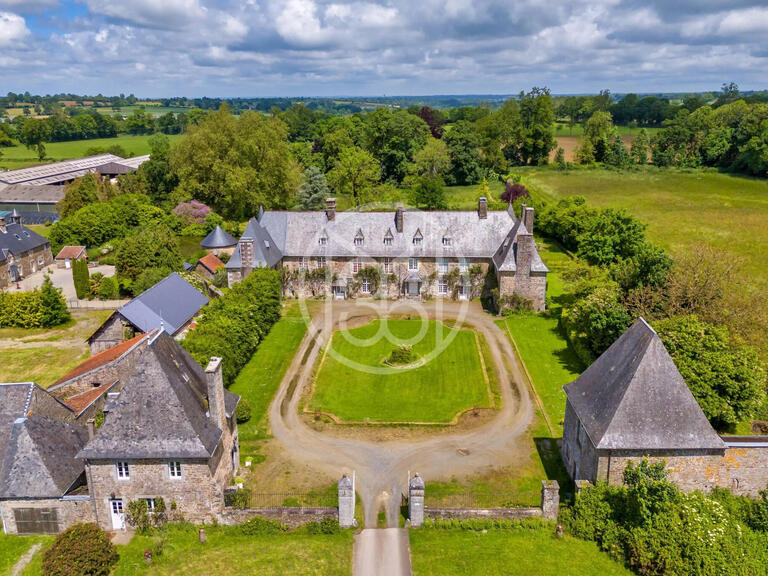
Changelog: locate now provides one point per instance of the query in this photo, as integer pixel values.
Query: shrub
(243, 411)
(192, 212)
(80, 278)
(240, 499)
(81, 550)
(138, 516)
(401, 355)
(258, 526)
(53, 307)
(325, 526)
(108, 288)
(36, 309)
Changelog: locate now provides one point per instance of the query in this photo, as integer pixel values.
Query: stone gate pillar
(550, 499)
(346, 502)
(416, 500)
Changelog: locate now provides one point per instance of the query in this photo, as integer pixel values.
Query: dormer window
(447, 241)
(417, 238)
(322, 241)
(359, 238)
(388, 237)
(387, 241)
(417, 241)
(358, 241)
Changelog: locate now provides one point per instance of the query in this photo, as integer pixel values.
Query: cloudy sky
(392, 47)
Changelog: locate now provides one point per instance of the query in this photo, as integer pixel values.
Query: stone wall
(109, 334)
(742, 469)
(578, 453)
(198, 497)
(293, 517)
(101, 376)
(467, 513)
(70, 511)
(31, 262)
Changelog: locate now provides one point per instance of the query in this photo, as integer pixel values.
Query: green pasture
(531, 548)
(20, 156)
(449, 381)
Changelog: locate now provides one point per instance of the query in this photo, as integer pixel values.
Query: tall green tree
(313, 190)
(80, 278)
(54, 307)
(537, 116)
(429, 194)
(463, 143)
(151, 247)
(156, 174)
(355, 173)
(728, 381)
(79, 194)
(640, 147)
(432, 161)
(236, 164)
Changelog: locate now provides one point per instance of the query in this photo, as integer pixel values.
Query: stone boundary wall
(467, 513)
(293, 517)
(69, 510)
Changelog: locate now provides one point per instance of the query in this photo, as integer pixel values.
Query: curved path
(382, 467)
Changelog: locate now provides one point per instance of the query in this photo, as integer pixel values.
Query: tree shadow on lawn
(549, 454)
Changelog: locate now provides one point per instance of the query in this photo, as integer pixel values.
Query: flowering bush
(192, 212)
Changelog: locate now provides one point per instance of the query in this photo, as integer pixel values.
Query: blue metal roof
(171, 302)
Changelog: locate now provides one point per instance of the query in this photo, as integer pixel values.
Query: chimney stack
(482, 208)
(215, 381)
(15, 217)
(528, 218)
(91, 425)
(246, 257)
(3, 229)
(330, 209)
(524, 256)
(399, 217)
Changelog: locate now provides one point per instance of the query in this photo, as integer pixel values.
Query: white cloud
(162, 14)
(13, 29)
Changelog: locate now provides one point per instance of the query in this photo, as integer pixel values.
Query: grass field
(529, 549)
(679, 208)
(44, 355)
(12, 548)
(229, 551)
(436, 391)
(20, 156)
(548, 358)
(259, 379)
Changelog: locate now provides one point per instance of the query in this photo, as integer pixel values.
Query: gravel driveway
(382, 467)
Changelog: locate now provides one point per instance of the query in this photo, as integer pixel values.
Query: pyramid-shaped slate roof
(634, 398)
(161, 411)
(218, 238)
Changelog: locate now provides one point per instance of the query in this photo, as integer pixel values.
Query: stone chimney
(15, 217)
(399, 217)
(482, 208)
(3, 229)
(524, 256)
(215, 381)
(528, 218)
(246, 257)
(330, 209)
(91, 425)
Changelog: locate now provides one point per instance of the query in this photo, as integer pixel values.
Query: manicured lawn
(436, 391)
(45, 355)
(259, 379)
(519, 551)
(548, 358)
(20, 156)
(12, 548)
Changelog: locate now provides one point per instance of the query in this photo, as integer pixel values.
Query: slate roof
(218, 238)
(39, 459)
(172, 303)
(266, 251)
(633, 397)
(18, 239)
(57, 171)
(69, 252)
(37, 447)
(160, 412)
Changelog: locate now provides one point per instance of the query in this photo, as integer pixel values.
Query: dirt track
(382, 468)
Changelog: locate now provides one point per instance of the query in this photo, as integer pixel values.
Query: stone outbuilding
(219, 242)
(208, 265)
(22, 251)
(633, 403)
(68, 254)
(171, 434)
(171, 304)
